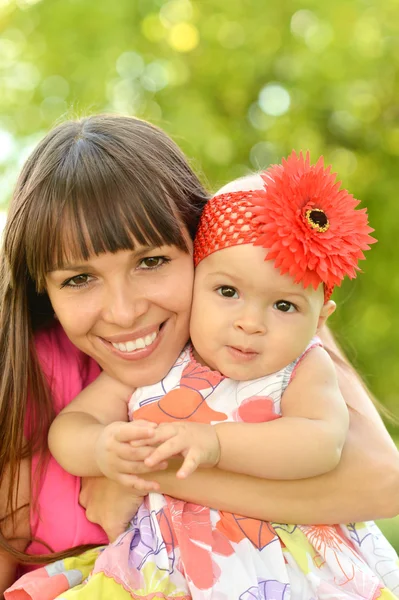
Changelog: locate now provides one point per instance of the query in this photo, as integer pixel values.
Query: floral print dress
(176, 549)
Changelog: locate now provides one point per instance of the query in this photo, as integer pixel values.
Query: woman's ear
(327, 309)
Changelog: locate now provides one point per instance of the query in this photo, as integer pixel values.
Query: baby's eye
(152, 262)
(227, 292)
(284, 306)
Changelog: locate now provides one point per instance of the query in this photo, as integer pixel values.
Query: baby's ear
(326, 310)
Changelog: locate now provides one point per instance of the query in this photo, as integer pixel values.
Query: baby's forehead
(249, 182)
(245, 265)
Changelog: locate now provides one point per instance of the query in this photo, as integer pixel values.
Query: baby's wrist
(219, 446)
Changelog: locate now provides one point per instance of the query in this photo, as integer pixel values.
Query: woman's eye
(284, 306)
(77, 281)
(227, 292)
(152, 262)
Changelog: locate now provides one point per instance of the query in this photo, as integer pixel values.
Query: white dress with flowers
(176, 549)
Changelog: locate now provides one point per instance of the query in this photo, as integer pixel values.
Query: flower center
(317, 219)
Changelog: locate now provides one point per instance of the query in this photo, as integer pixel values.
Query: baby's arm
(91, 436)
(307, 440)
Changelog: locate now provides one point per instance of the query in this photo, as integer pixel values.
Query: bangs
(92, 204)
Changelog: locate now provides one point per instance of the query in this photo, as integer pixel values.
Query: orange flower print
(257, 409)
(237, 528)
(193, 534)
(199, 378)
(329, 542)
(181, 404)
(327, 536)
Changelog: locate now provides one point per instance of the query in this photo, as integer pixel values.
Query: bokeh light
(274, 99)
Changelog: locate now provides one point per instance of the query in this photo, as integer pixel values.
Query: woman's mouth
(137, 347)
(136, 344)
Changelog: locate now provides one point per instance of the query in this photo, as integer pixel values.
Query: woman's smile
(131, 346)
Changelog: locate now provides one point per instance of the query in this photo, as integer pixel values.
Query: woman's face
(129, 310)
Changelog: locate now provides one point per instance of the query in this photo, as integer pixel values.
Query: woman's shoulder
(67, 369)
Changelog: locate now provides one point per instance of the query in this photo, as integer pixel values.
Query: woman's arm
(364, 486)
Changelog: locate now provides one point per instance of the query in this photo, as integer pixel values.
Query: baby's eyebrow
(288, 292)
(293, 296)
(224, 274)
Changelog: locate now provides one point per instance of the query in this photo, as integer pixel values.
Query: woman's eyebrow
(68, 267)
(138, 253)
(142, 250)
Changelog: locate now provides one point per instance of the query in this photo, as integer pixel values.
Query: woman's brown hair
(92, 185)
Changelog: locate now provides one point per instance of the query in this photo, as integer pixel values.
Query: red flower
(309, 225)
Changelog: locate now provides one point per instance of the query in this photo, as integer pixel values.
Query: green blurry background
(238, 84)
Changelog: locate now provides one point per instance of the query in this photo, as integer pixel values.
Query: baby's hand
(121, 450)
(197, 442)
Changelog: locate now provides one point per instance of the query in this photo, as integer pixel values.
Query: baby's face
(247, 319)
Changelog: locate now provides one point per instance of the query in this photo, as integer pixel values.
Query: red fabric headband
(307, 224)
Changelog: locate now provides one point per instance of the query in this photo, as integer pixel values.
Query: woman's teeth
(137, 344)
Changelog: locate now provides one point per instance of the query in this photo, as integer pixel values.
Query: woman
(94, 204)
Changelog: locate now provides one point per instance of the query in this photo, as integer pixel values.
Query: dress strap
(289, 371)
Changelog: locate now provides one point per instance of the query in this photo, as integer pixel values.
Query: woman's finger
(131, 467)
(137, 483)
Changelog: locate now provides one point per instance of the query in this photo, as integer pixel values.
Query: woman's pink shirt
(59, 520)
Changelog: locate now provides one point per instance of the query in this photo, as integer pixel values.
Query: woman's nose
(123, 308)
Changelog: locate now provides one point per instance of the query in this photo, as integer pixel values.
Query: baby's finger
(144, 423)
(164, 432)
(160, 435)
(129, 432)
(139, 453)
(164, 451)
(148, 443)
(190, 464)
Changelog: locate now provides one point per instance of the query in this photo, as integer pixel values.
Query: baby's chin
(247, 372)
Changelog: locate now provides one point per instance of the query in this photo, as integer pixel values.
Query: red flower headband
(307, 224)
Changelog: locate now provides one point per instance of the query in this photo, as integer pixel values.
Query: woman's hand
(109, 504)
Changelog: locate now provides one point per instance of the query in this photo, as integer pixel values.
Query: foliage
(238, 85)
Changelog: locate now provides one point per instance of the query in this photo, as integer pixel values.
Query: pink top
(58, 519)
